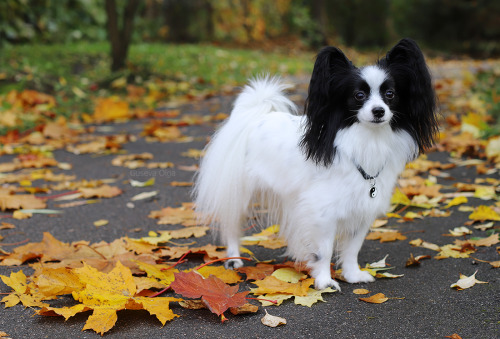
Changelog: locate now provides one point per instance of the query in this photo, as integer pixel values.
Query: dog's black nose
(378, 112)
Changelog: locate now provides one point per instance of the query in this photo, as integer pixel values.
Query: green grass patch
(76, 74)
(488, 88)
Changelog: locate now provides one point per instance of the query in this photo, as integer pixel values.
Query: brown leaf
(216, 295)
(257, 272)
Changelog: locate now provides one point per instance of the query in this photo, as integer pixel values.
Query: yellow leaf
(272, 284)
(457, 201)
(312, 297)
(485, 192)
(289, 274)
(101, 222)
(360, 291)
(228, 276)
(101, 320)
(164, 273)
(155, 239)
(484, 213)
(111, 109)
(57, 281)
(452, 251)
(399, 198)
(16, 281)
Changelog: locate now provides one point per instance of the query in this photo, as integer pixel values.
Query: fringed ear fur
(324, 106)
(418, 114)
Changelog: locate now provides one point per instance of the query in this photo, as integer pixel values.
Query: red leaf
(217, 295)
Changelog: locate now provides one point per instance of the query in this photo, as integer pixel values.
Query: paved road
(424, 306)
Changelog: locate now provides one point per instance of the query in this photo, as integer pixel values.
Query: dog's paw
(233, 264)
(358, 276)
(321, 284)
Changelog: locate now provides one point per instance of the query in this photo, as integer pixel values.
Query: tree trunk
(120, 37)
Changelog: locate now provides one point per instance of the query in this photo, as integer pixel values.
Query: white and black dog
(325, 175)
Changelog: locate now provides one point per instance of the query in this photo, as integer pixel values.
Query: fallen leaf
(484, 213)
(271, 284)
(244, 309)
(467, 282)
(216, 295)
(144, 195)
(272, 321)
(385, 236)
(378, 298)
(226, 275)
(101, 222)
(415, 261)
(360, 291)
(289, 274)
(104, 191)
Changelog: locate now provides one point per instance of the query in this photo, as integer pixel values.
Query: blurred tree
(119, 37)
(188, 20)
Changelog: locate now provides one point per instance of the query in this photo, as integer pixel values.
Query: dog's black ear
(323, 106)
(406, 63)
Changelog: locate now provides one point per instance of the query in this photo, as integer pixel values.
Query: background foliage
(453, 25)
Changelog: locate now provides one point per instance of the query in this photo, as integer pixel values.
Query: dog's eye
(360, 96)
(389, 94)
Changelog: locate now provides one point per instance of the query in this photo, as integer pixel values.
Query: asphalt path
(423, 304)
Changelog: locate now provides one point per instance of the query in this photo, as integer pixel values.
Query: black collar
(365, 175)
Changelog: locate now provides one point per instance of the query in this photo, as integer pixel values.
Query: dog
(327, 174)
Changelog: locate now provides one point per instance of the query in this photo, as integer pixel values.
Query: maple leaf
(312, 297)
(48, 249)
(20, 201)
(107, 293)
(23, 292)
(217, 295)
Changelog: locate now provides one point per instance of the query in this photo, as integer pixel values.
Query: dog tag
(373, 192)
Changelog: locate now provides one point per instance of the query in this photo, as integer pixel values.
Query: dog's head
(397, 91)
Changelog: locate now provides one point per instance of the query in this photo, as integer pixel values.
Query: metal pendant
(373, 189)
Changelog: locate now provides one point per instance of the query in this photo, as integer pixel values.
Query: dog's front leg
(320, 259)
(349, 259)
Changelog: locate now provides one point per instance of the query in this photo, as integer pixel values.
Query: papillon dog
(325, 175)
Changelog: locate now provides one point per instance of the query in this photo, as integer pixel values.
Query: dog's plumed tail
(221, 193)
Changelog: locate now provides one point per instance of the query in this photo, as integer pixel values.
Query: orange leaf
(378, 298)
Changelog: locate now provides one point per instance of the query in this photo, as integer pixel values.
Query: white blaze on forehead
(373, 76)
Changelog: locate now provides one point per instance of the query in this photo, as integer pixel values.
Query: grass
(488, 88)
(76, 74)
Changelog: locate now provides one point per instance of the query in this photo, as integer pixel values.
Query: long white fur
(322, 210)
